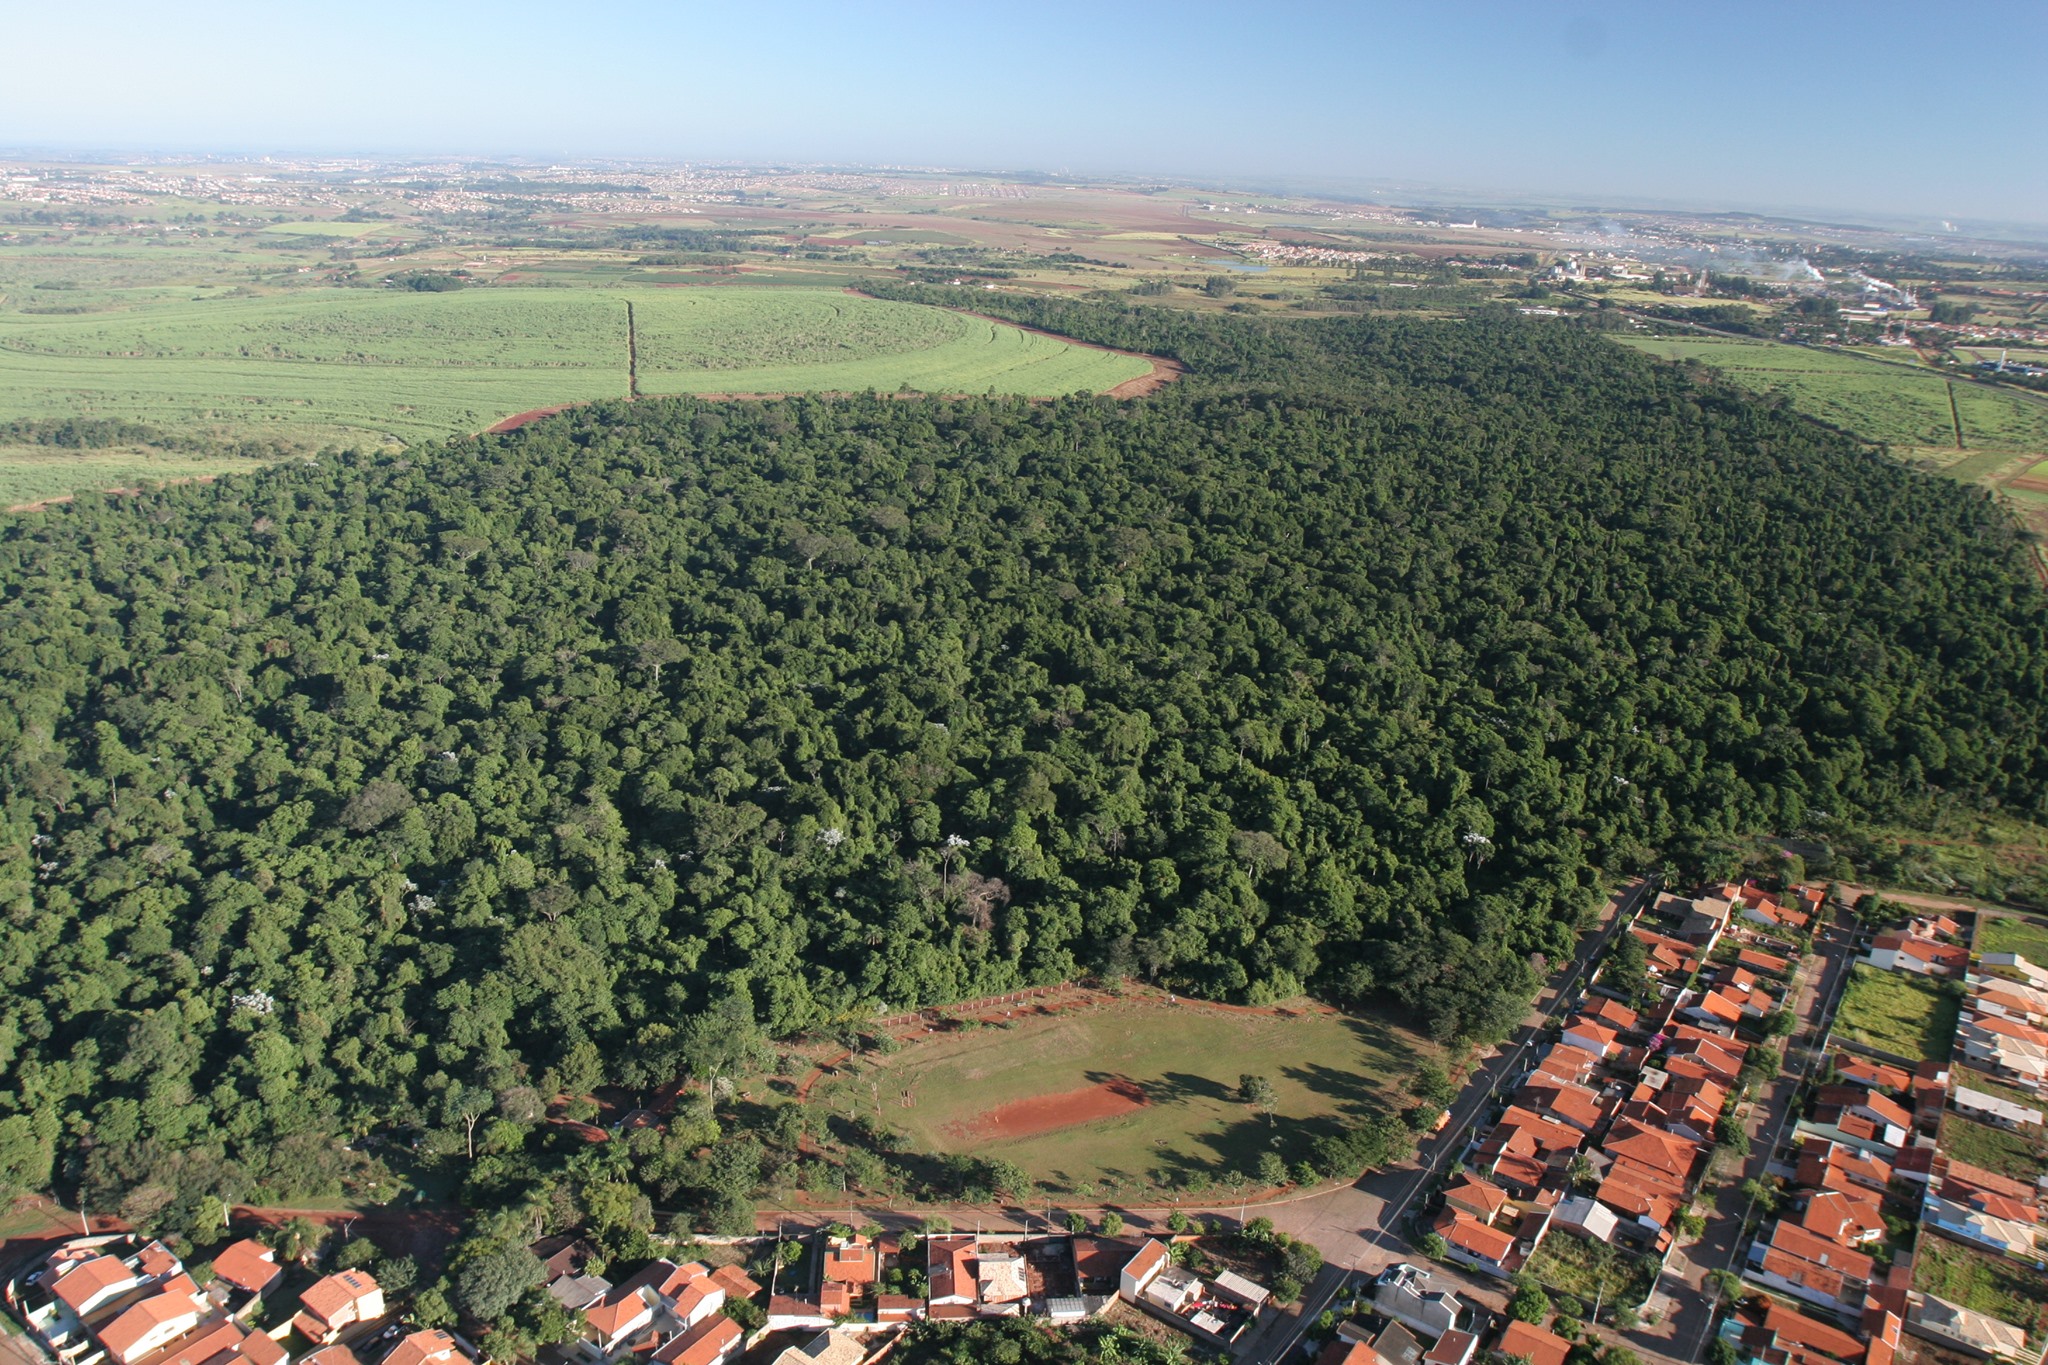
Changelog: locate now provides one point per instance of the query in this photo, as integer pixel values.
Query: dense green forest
(386, 791)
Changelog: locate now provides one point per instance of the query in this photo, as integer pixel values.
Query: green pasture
(318, 365)
(1896, 404)
(1897, 1013)
(1328, 1070)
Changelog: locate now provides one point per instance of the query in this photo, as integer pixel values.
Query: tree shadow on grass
(1356, 1097)
(1169, 1088)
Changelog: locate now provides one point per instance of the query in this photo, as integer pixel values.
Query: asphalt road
(1358, 1228)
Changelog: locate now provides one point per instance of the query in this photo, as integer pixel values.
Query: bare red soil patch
(520, 419)
(1049, 1113)
(2033, 483)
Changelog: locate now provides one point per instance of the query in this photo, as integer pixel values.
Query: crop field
(711, 340)
(1896, 405)
(1896, 1013)
(321, 365)
(1133, 1095)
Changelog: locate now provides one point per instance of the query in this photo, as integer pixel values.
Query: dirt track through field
(1050, 1113)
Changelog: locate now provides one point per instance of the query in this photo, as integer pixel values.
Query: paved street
(1359, 1227)
(1683, 1334)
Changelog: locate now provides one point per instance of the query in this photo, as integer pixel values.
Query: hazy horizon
(1819, 110)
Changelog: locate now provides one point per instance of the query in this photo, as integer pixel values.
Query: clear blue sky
(1830, 104)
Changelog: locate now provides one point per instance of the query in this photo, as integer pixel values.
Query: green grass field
(2020, 934)
(2007, 1290)
(1327, 1070)
(330, 365)
(1896, 405)
(1896, 1013)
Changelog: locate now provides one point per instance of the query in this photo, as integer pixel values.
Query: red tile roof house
(250, 1266)
(1871, 1104)
(1349, 1353)
(1825, 1165)
(1140, 1272)
(628, 1308)
(1794, 1261)
(1920, 956)
(339, 1300)
(433, 1347)
(1472, 1243)
(1720, 1006)
(711, 1342)
(1479, 1199)
(1613, 1014)
(949, 1269)
(690, 1293)
(1853, 1070)
(1767, 964)
(1564, 1064)
(1592, 1037)
(86, 1283)
(1533, 1344)
(1781, 1335)
(217, 1341)
(1846, 1219)
(153, 1322)
(1576, 1105)
(850, 1260)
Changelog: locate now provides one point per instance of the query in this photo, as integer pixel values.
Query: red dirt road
(1049, 1113)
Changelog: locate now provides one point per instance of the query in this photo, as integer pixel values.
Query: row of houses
(1608, 1134)
(2004, 1026)
(1409, 1320)
(120, 1300)
(1870, 1156)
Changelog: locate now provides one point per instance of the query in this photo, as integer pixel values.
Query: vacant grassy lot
(2023, 1156)
(1594, 1272)
(349, 366)
(2013, 934)
(2007, 1290)
(1896, 1013)
(1327, 1069)
(1898, 405)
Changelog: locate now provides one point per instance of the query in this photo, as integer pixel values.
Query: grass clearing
(1896, 1013)
(2022, 1156)
(2005, 1289)
(1329, 1070)
(2025, 935)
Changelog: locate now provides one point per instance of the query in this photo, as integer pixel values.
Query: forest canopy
(340, 794)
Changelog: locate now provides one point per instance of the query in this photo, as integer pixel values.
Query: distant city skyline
(1815, 108)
